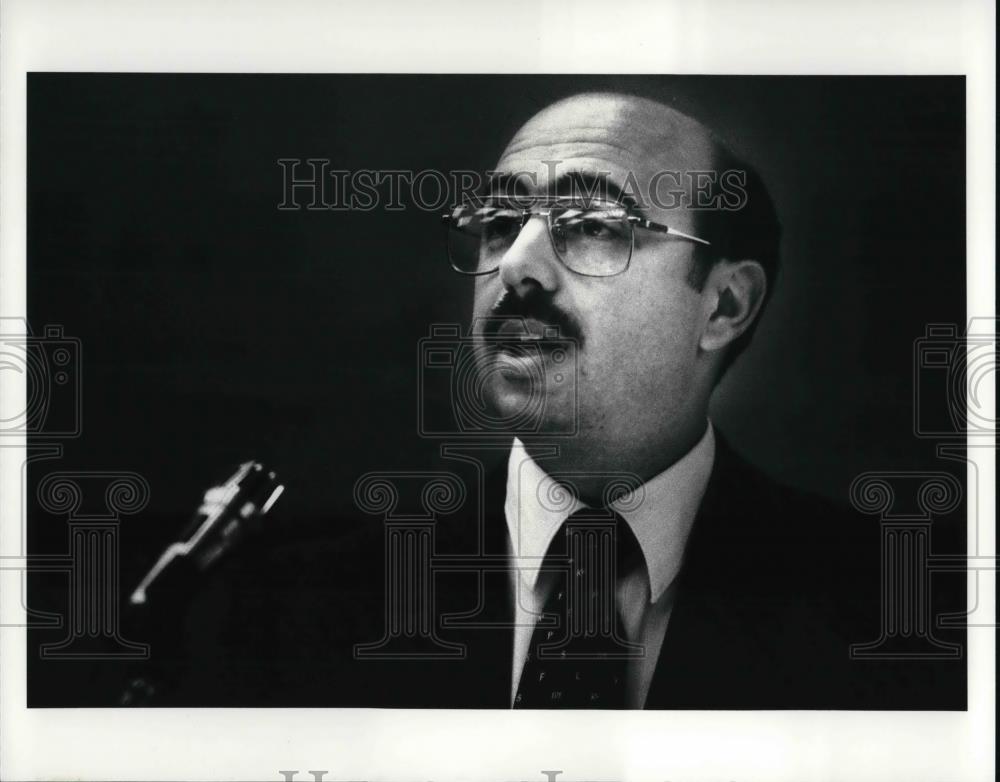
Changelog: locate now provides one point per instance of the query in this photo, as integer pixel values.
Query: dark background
(217, 328)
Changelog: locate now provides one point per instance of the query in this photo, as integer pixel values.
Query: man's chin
(524, 409)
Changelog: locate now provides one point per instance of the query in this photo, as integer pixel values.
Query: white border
(775, 37)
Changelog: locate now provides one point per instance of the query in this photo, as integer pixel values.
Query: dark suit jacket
(775, 586)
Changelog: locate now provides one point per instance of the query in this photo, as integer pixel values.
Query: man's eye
(592, 228)
(595, 228)
(499, 226)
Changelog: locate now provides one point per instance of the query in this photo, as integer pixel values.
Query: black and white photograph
(346, 393)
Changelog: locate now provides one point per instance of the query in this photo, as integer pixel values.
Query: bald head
(650, 132)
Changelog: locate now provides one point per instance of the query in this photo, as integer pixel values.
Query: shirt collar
(536, 506)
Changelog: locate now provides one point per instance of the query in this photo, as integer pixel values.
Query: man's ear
(733, 295)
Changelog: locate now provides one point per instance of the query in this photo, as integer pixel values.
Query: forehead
(604, 134)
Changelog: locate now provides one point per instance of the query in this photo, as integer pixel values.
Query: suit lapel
(704, 640)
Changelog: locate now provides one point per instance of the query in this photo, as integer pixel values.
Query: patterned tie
(578, 650)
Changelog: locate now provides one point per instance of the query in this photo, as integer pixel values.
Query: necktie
(578, 650)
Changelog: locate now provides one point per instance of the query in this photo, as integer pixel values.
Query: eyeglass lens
(593, 240)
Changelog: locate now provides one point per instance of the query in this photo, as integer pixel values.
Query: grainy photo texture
(508, 392)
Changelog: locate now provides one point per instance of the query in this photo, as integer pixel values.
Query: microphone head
(228, 513)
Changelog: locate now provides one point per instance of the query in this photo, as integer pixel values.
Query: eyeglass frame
(635, 221)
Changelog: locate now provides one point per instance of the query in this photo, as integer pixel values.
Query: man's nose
(531, 261)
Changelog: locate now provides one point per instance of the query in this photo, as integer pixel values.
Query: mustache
(536, 304)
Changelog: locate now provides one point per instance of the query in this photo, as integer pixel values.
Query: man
(655, 312)
(652, 316)
(624, 556)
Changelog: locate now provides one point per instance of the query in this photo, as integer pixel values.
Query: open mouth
(524, 351)
(518, 331)
(521, 349)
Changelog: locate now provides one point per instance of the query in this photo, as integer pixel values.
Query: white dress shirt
(661, 523)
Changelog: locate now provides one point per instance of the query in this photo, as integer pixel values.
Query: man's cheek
(483, 297)
(479, 306)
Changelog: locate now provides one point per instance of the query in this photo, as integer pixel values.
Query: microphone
(227, 516)
(227, 513)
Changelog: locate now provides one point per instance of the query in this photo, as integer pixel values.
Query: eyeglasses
(594, 239)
